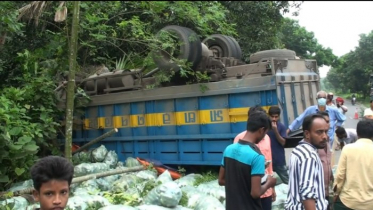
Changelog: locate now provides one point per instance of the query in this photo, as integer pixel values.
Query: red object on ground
(160, 168)
(74, 147)
(356, 117)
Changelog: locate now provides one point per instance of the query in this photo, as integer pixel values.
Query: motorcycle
(353, 101)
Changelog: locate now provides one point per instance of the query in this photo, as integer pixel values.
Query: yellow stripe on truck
(212, 116)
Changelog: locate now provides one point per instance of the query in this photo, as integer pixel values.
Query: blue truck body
(183, 125)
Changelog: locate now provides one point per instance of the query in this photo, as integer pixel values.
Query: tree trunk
(94, 141)
(71, 81)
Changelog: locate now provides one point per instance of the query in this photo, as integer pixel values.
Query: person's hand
(274, 126)
(271, 181)
(287, 131)
(335, 198)
(274, 195)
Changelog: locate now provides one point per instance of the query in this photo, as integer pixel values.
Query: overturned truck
(182, 125)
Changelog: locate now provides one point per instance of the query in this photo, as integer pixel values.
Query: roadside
(359, 98)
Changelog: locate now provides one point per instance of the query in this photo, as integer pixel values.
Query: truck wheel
(196, 50)
(238, 47)
(223, 46)
(278, 53)
(190, 48)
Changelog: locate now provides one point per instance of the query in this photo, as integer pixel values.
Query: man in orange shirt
(265, 148)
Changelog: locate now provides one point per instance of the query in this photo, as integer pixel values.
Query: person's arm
(257, 171)
(309, 204)
(344, 108)
(280, 134)
(340, 118)
(274, 194)
(257, 189)
(222, 176)
(298, 121)
(340, 176)
(342, 144)
(307, 183)
(221, 179)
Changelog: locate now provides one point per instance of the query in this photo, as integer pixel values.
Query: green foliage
(95, 206)
(150, 167)
(109, 29)
(181, 170)
(184, 199)
(122, 63)
(257, 23)
(123, 198)
(352, 72)
(149, 185)
(131, 199)
(8, 19)
(27, 121)
(304, 43)
(206, 177)
(34, 58)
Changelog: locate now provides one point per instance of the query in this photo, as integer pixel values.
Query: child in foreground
(52, 177)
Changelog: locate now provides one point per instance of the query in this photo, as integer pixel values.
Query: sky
(336, 24)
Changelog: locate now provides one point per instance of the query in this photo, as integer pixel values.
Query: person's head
(52, 177)
(330, 96)
(325, 114)
(339, 101)
(341, 133)
(274, 113)
(256, 108)
(321, 98)
(364, 129)
(258, 124)
(315, 130)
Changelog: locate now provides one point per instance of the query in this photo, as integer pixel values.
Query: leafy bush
(28, 116)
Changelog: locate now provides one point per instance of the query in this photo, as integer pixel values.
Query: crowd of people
(248, 164)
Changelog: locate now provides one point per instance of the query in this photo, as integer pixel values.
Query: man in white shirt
(368, 112)
(346, 136)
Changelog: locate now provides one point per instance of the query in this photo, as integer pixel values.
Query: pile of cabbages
(143, 190)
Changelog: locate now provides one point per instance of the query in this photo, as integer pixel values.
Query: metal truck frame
(183, 125)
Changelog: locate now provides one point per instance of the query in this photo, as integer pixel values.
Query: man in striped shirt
(306, 175)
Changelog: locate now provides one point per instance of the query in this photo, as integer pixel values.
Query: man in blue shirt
(277, 135)
(243, 167)
(336, 118)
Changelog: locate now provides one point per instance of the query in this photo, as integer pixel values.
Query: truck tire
(278, 53)
(191, 50)
(223, 46)
(196, 50)
(238, 47)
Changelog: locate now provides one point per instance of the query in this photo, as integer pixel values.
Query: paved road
(349, 123)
